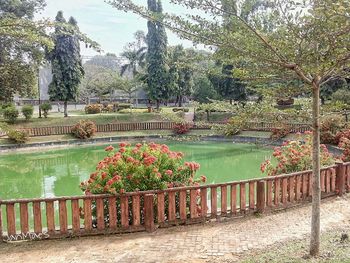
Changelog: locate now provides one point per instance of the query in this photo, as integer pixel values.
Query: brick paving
(213, 242)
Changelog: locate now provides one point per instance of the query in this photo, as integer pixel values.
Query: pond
(59, 172)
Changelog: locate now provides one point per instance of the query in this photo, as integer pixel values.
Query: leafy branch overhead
(285, 39)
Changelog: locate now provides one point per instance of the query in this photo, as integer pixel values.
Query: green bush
(93, 108)
(121, 106)
(342, 95)
(45, 107)
(84, 129)
(10, 114)
(17, 136)
(331, 126)
(27, 111)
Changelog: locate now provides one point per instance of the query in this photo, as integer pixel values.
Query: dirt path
(224, 242)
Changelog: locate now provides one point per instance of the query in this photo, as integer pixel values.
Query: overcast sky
(111, 28)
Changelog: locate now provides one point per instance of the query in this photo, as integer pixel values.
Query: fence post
(260, 197)
(149, 213)
(340, 172)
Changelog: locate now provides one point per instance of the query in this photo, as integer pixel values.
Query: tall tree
(310, 40)
(22, 42)
(67, 69)
(180, 73)
(157, 78)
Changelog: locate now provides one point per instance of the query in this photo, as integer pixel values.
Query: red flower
(109, 148)
(203, 178)
(122, 144)
(122, 150)
(103, 175)
(169, 172)
(149, 160)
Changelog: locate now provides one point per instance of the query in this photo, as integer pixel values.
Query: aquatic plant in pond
(295, 156)
(139, 168)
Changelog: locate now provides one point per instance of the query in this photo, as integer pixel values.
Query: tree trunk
(65, 109)
(231, 101)
(316, 188)
(158, 103)
(180, 101)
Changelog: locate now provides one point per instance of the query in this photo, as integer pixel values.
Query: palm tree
(135, 53)
(136, 60)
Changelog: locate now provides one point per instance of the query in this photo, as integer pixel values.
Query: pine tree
(67, 69)
(157, 78)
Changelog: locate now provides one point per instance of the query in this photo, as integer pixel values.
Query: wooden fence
(268, 126)
(46, 218)
(113, 127)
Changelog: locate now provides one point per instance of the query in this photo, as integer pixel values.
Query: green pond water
(59, 172)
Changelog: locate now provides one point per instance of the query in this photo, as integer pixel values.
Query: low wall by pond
(146, 211)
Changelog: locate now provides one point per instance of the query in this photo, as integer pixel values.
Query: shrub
(27, 111)
(10, 114)
(345, 145)
(93, 108)
(331, 125)
(107, 108)
(342, 134)
(17, 136)
(279, 133)
(141, 168)
(84, 129)
(121, 106)
(182, 128)
(295, 156)
(342, 95)
(234, 125)
(46, 107)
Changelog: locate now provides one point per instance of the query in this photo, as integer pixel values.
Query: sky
(111, 28)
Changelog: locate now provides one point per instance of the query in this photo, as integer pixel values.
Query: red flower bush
(182, 128)
(345, 145)
(294, 156)
(139, 168)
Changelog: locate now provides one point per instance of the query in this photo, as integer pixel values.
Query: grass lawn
(333, 249)
(56, 120)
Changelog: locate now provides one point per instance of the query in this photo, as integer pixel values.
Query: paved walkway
(217, 242)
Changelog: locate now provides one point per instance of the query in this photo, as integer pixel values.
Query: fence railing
(268, 126)
(45, 218)
(112, 127)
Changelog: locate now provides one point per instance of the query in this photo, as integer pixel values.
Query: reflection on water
(59, 172)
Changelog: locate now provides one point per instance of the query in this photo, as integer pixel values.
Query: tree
(157, 78)
(331, 87)
(86, 87)
(108, 61)
(135, 53)
(307, 39)
(180, 73)
(227, 86)
(67, 69)
(22, 42)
